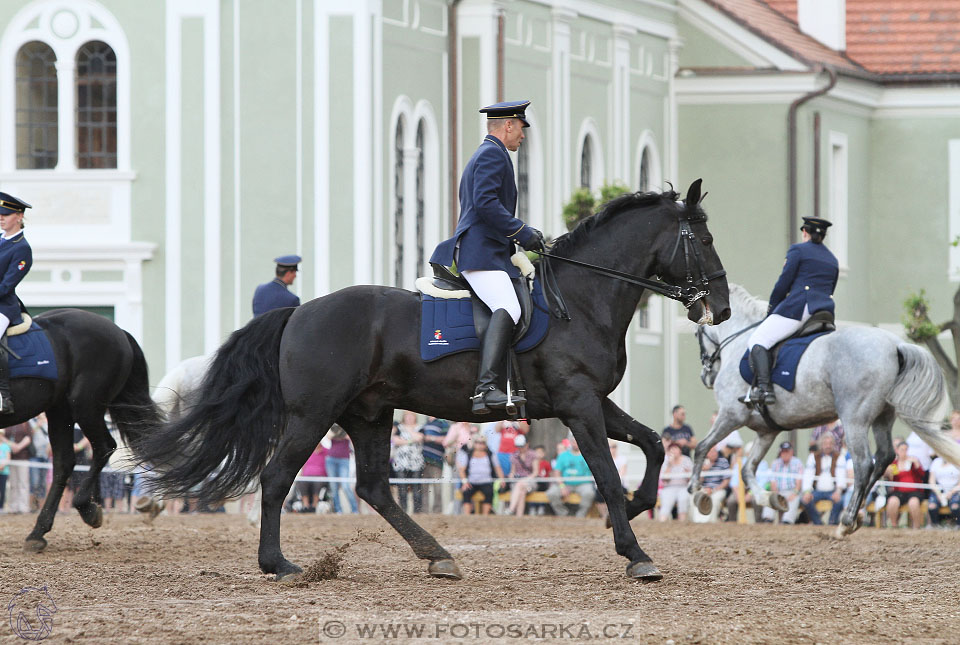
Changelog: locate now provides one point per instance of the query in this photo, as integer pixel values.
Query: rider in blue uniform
(275, 294)
(16, 258)
(805, 287)
(484, 240)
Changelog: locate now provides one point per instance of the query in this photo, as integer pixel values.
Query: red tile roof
(898, 36)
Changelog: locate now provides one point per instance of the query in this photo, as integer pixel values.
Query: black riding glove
(533, 241)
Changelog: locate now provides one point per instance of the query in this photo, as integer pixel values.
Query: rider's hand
(533, 240)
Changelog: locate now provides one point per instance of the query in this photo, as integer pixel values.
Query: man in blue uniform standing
(276, 294)
(16, 258)
(805, 287)
(483, 242)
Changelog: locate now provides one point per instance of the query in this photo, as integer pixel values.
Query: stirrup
(6, 404)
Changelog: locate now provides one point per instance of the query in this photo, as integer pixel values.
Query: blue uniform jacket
(487, 227)
(809, 277)
(16, 258)
(273, 295)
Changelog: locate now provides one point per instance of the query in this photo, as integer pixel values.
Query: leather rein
(697, 284)
(709, 360)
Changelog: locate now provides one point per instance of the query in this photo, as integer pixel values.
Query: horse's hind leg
(299, 440)
(60, 429)
(95, 429)
(371, 442)
(621, 427)
(866, 471)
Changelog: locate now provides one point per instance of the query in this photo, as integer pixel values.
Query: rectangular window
(836, 238)
(649, 320)
(953, 205)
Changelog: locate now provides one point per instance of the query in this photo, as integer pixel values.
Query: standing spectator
(19, 482)
(4, 469)
(835, 428)
(509, 431)
(716, 486)
(905, 470)
(338, 465)
(39, 454)
(918, 448)
(313, 492)
(576, 478)
(679, 432)
(408, 459)
(524, 464)
(434, 431)
(824, 478)
(945, 491)
(276, 293)
(675, 476)
(786, 478)
(477, 471)
(491, 432)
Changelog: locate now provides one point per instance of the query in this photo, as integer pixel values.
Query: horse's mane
(742, 303)
(610, 210)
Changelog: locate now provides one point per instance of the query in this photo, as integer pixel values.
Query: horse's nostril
(724, 315)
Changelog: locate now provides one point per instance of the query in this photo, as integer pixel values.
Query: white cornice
(736, 38)
(740, 89)
(612, 16)
(93, 251)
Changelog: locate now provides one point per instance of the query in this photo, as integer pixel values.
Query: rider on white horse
(805, 287)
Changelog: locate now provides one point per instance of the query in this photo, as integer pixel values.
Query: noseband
(708, 360)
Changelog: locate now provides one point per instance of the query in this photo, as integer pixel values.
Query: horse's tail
(236, 419)
(132, 409)
(920, 397)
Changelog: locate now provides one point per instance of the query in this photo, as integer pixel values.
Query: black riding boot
(6, 403)
(494, 349)
(760, 362)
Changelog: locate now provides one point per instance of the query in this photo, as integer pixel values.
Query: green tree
(583, 203)
(920, 329)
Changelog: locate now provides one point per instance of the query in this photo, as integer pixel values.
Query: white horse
(864, 375)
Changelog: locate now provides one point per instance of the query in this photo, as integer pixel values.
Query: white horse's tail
(920, 399)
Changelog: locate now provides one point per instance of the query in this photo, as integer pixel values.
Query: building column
(66, 108)
(560, 149)
(620, 137)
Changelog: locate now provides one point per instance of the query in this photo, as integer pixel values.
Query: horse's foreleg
(299, 440)
(60, 429)
(587, 423)
(371, 443)
(723, 425)
(621, 427)
(86, 500)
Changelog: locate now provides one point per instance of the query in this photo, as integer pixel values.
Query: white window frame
(838, 206)
(597, 173)
(652, 334)
(647, 142)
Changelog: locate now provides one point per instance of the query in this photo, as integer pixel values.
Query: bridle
(697, 284)
(708, 360)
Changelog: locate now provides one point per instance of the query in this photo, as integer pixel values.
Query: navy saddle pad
(36, 355)
(446, 326)
(784, 372)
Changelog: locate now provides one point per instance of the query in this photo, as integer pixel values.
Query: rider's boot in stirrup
(493, 359)
(760, 362)
(6, 403)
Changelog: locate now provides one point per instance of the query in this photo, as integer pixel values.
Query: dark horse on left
(100, 368)
(353, 357)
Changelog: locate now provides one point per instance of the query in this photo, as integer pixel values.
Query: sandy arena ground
(194, 579)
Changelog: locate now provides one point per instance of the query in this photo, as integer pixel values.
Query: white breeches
(775, 328)
(496, 291)
(4, 323)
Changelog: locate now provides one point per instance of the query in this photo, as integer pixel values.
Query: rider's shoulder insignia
(20, 267)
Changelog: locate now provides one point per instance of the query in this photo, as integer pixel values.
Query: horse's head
(686, 257)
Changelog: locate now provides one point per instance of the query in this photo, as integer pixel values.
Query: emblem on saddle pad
(438, 339)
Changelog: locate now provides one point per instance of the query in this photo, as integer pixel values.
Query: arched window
(36, 106)
(586, 158)
(96, 106)
(420, 196)
(645, 183)
(523, 183)
(398, 203)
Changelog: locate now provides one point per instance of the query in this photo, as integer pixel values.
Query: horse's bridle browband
(694, 290)
(709, 360)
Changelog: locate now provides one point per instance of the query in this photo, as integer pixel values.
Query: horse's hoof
(34, 545)
(289, 578)
(644, 572)
(703, 502)
(145, 505)
(92, 515)
(842, 531)
(156, 509)
(445, 569)
(778, 502)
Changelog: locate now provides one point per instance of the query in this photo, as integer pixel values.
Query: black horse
(100, 367)
(352, 357)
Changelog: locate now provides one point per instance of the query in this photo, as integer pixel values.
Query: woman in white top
(945, 480)
(675, 476)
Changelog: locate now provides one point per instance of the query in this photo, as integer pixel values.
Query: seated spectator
(679, 432)
(786, 478)
(523, 467)
(904, 470)
(955, 425)
(576, 478)
(945, 480)
(674, 477)
(716, 486)
(835, 428)
(918, 448)
(477, 471)
(311, 492)
(825, 478)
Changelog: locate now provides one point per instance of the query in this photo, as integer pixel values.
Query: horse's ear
(693, 193)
